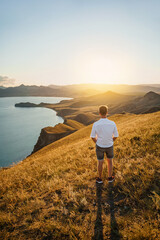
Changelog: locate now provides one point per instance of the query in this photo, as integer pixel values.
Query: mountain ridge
(75, 90)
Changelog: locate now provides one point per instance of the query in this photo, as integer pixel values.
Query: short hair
(103, 110)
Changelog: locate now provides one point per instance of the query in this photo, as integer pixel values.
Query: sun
(99, 69)
(102, 68)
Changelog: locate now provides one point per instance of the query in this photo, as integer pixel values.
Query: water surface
(20, 127)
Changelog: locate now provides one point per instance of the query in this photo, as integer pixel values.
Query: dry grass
(69, 125)
(74, 124)
(52, 194)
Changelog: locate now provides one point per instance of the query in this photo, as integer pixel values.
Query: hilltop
(52, 193)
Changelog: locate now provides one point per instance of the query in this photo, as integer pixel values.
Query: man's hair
(103, 110)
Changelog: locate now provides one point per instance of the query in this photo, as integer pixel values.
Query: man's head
(103, 110)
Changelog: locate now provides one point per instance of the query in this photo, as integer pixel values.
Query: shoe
(99, 180)
(111, 179)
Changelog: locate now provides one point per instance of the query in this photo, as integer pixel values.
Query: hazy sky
(77, 41)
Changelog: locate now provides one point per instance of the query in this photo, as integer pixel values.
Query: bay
(21, 127)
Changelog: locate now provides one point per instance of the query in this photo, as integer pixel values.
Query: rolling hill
(117, 103)
(150, 102)
(52, 193)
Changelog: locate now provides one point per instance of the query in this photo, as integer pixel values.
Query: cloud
(6, 81)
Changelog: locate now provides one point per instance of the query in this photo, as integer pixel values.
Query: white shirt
(104, 129)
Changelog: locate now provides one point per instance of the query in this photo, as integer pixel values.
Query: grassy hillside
(53, 195)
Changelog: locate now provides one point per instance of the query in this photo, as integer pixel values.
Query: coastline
(6, 160)
(43, 105)
(11, 165)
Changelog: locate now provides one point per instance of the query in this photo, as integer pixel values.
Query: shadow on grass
(114, 234)
(98, 229)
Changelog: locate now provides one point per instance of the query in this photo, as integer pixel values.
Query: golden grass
(52, 194)
(69, 125)
(58, 129)
(74, 124)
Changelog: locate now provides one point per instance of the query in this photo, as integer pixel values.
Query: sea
(20, 127)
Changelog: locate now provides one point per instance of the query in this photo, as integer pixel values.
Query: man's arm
(94, 140)
(115, 133)
(114, 138)
(93, 134)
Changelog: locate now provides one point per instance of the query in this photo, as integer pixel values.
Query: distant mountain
(23, 90)
(152, 85)
(77, 90)
(54, 86)
(33, 90)
(108, 98)
(54, 91)
(137, 88)
(119, 88)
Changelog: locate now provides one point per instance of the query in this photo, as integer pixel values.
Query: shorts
(100, 152)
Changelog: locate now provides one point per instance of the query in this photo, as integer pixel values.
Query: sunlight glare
(101, 68)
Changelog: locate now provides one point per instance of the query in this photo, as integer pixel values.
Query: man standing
(104, 133)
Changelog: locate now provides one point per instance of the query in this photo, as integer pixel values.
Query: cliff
(52, 134)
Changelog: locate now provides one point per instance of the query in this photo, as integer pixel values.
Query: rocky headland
(52, 134)
(28, 104)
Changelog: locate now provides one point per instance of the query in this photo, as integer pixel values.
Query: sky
(63, 42)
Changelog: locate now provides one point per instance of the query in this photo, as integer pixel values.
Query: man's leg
(100, 167)
(110, 166)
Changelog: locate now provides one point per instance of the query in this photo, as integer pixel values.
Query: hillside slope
(52, 194)
(150, 102)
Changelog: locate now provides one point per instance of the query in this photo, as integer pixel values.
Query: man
(104, 133)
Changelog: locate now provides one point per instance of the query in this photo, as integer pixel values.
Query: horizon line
(109, 84)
